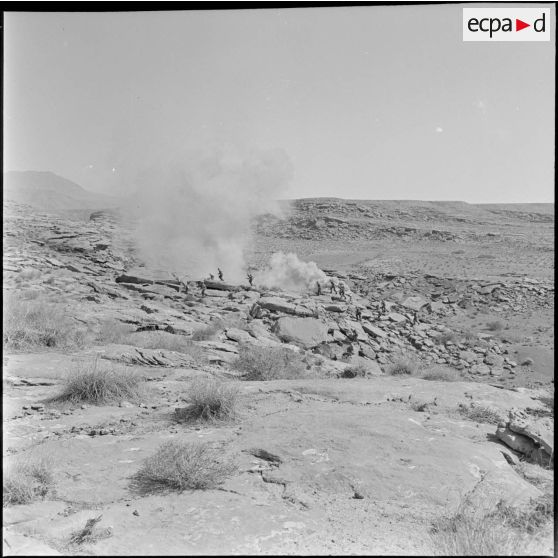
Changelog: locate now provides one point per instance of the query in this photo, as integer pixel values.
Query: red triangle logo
(519, 25)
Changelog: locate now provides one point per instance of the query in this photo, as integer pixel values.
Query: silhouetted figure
(358, 314)
(201, 285)
(342, 290)
(220, 274)
(318, 288)
(250, 278)
(332, 288)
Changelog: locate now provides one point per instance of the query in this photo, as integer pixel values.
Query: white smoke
(194, 215)
(288, 272)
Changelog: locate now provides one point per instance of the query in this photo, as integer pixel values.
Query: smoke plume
(194, 215)
(287, 272)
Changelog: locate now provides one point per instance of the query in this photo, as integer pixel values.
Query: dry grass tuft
(208, 332)
(401, 366)
(496, 325)
(269, 363)
(356, 371)
(441, 374)
(209, 399)
(113, 331)
(25, 481)
(506, 531)
(98, 384)
(480, 413)
(32, 324)
(181, 466)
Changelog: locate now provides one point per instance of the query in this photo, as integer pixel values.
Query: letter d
(540, 20)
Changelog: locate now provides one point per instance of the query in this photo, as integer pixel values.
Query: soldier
(332, 288)
(318, 288)
(250, 278)
(201, 285)
(358, 314)
(342, 290)
(220, 274)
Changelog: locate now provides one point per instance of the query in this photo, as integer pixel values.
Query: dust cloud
(288, 272)
(192, 215)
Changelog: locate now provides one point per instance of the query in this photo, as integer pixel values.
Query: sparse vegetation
(25, 481)
(269, 363)
(446, 337)
(209, 399)
(208, 332)
(99, 384)
(113, 331)
(401, 366)
(441, 374)
(480, 413)
(33, 324)
(356, 371)
(506, 531)
(182, 465)
(495, 325)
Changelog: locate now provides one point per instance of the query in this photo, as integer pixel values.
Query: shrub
(26, 481)
(208, 332)
(91, 383)
(358, 370)
(180, 466)
(480, 413)
(445, 337)
(30, 324)
(401, 366)
(442, 374)
(269, 363)
(497, 533)
(113, 331)
(209, 399)
(495, 325)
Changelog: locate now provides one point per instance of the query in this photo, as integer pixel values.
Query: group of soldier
(339, 289)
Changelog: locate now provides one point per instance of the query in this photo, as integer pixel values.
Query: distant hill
(48, 191)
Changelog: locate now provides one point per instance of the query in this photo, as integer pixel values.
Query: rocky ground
(346, 459)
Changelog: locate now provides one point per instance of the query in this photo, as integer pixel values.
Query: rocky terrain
(427, 384)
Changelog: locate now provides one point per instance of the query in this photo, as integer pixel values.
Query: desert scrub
(441, 374)
(113, 331)
(27, 480)
(358, 370)
(181, 465)
(505, 531)
(269, 363)
(209, 399)
(480, 413)
(209, 331)
(33, 324)
(98, 384)
(495, 325)
(401, 366)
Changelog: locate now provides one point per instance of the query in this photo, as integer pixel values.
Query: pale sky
(367, 102)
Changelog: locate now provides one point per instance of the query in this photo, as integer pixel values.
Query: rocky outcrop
(307, 332)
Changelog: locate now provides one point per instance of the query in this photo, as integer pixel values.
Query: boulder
(221, 286)
(416, 303)
(276, 304)
(397, 318)
(238, 335)
(307, 332)
(373, 330)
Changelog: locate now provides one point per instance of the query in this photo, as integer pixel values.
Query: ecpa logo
(506, 24)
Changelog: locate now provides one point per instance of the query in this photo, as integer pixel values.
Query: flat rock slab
(307, 332)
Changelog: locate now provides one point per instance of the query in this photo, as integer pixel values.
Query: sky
(375, 102)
